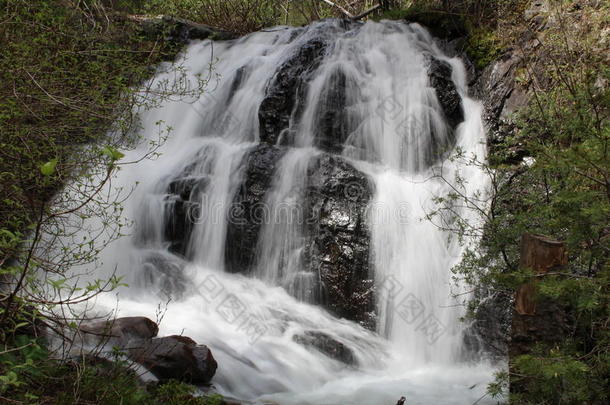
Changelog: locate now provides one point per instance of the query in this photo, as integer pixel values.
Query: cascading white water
(395, 126)
(281, 244)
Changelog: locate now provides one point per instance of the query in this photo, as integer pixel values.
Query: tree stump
(540, 254)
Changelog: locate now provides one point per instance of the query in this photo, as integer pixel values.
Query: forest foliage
(551, 176)
(74, 73)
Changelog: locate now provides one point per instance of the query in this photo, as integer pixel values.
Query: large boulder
(337, 198)
(170, 357)
(175, 357)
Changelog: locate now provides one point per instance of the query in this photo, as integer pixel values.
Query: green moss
(482, 47)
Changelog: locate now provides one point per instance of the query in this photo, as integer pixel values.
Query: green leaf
(48, 168)
(113, 153)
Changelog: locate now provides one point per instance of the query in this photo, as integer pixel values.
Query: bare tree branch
(344, 11)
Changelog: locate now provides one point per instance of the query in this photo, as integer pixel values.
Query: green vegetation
(240, 16)
(482, 47)
(487, 26)
(71, 70)
(39, 380)
(563, 192)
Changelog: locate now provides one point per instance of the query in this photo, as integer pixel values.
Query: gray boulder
(120, 331)
(175, 357)
(327, 345)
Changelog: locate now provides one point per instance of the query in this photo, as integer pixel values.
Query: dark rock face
(327, 345)
(442, 137)
(180, 205)
(489, 332)
(285, 91)
(248, 213)
(337, 196)
(182, 202)
(175, 357)
(550, 324)
(333, 126)
(501, 97)
(335, 202)
(446, 92)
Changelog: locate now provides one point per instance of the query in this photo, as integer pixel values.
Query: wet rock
(446, 92)
(327, 345)
(175, 357)
(248, 211)
(181, 207)
(489, 331)
(164, 273)
(120, 331)
(335, 202)
(171, 357)
(442, 134)
(502, 97)
(337, 197)
(332, 112)
(286, 89)
(238, 80)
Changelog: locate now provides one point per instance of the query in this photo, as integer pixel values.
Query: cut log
(539, 254)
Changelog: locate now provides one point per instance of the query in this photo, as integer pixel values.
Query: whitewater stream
(392, 133)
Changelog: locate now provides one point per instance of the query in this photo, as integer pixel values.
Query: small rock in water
(327, 345)
(401, 401)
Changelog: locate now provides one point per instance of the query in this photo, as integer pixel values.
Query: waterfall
(294, 187)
